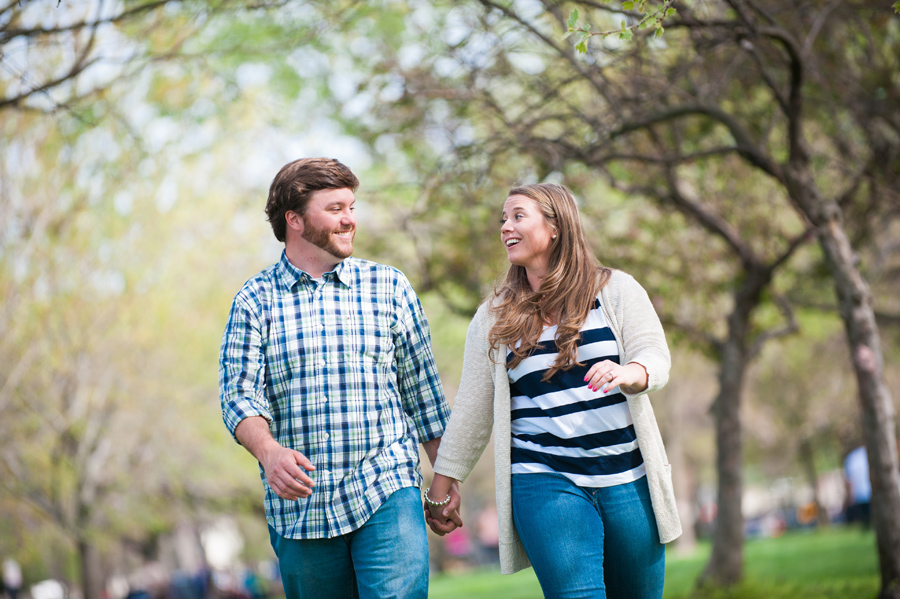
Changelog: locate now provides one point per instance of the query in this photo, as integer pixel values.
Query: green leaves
(581, 45)
(897, 7)
(654, 19)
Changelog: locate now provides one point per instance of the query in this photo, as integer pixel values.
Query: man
(327, 377)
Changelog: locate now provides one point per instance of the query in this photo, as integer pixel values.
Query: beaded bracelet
(436, 503)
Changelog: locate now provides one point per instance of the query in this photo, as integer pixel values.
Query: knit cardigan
(484, 392)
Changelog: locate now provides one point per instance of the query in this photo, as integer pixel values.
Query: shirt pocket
(368, 337)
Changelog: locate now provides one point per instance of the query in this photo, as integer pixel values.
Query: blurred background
(137, 142)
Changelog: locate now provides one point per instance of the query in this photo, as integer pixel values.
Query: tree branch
(790, 328)
(713, 223)
(564, 51)
(744, 143)
(8, 35)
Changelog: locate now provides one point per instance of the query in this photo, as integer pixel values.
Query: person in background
(558, 363)
(327, 377)
(12, 578)
(859, 489)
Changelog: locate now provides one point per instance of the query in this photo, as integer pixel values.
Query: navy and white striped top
(561, 425)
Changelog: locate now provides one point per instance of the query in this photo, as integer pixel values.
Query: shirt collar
(290, 275)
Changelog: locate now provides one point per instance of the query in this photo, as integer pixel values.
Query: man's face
(329, 222)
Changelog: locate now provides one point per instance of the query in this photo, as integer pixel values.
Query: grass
(838, 563)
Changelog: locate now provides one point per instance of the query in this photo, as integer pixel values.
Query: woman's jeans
(589, 543)
(385, 558)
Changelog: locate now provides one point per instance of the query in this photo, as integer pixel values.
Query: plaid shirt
(344, 373)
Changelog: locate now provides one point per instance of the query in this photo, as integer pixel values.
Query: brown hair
(566, 294)
(295, 182)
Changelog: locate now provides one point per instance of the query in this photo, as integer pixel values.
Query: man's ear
(294, 221)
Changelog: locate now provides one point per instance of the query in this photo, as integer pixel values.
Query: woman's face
(526, 234)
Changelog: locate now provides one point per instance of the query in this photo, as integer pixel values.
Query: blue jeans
(386, 557)
(589, 543)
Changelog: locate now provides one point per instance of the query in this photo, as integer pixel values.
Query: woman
(559, 362)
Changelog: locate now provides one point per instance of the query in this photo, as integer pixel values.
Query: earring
(554, 237)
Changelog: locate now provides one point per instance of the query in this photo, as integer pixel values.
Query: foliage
(111, 207)
(131, 196)
(634, 11)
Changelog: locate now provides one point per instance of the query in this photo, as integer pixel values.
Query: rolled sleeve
(421, 392)
(643, 337)
(242, 367)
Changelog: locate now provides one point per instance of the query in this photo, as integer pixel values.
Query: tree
(796, 100)
(107, 432)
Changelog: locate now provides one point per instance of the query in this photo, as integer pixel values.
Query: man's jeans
(386, 557)
(589, 543)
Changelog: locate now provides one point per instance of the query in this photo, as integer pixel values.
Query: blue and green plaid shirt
(343, 371)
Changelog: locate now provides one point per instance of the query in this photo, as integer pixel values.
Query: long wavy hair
(567, 293)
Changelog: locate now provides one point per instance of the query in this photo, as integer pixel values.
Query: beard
(323, 238)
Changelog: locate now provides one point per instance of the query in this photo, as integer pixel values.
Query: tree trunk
(865, 350)
(91, 586)
(808, 462)
(726, 563)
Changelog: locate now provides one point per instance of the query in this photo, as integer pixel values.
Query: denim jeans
(386, 557)
(589, 543)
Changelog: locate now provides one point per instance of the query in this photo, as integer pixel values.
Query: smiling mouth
(512, 242)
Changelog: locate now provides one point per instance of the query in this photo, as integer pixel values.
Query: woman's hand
(630, 378)
(445, 518)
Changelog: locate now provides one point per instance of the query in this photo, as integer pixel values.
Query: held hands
(630, 378)
(445, 518)
(286, 472)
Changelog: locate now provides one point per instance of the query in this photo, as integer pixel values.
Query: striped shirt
(561, 425)
(343, 371)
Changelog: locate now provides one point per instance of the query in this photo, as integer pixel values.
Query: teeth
(512, 242)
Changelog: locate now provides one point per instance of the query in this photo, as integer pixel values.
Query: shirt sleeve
(421, 392)
(242, 369)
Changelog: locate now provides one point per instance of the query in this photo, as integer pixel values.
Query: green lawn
(834, 564)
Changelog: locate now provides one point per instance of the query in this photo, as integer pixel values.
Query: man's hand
(445, 518)
(285, 468)
(286, 472)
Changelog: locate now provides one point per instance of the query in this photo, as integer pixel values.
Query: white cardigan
(484, 391)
